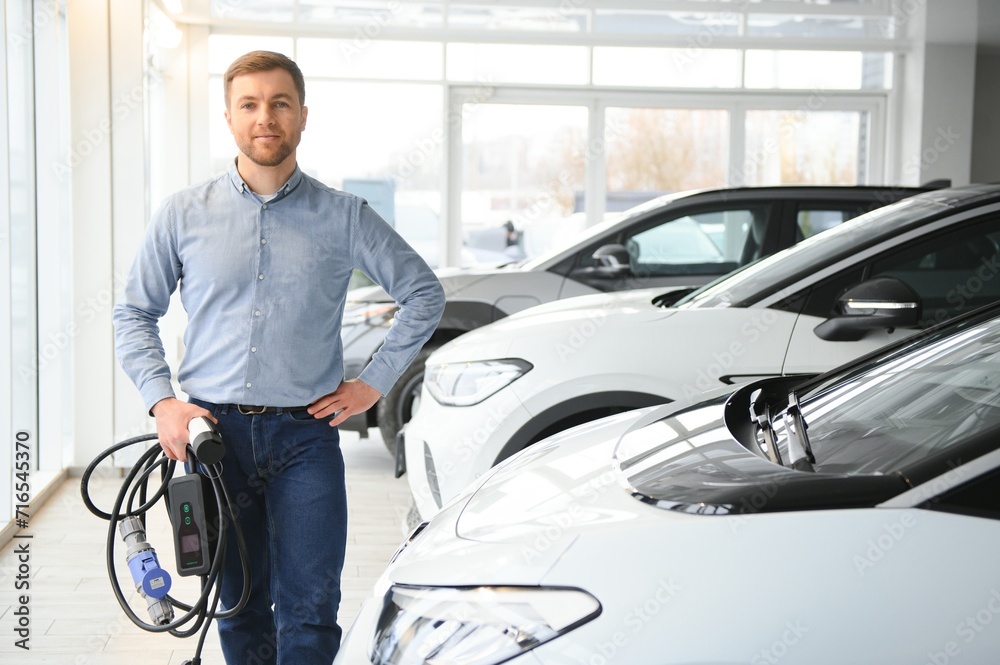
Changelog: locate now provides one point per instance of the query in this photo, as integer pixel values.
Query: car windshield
(902, 411)
(603, 227)
(769, 275)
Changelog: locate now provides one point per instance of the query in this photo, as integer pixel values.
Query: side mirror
(614, 257)
(883, 302)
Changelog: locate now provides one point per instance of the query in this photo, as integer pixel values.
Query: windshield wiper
(760, 414)
(801, 455)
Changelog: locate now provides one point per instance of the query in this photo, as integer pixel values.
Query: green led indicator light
(187, 519)
(187, 507)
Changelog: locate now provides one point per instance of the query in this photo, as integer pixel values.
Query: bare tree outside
(659, 150)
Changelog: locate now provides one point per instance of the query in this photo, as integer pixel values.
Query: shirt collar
(237, 180)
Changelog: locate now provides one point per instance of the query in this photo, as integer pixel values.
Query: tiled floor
(74, 617)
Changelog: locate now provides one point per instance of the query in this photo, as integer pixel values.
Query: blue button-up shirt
(264, 286)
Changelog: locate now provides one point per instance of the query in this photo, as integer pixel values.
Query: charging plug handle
(205, 441)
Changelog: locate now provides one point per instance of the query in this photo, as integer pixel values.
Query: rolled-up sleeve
(153, 278)
(385, 256)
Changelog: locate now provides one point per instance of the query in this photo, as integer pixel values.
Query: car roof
(730, 195)
(776, 272)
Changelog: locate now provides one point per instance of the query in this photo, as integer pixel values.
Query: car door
(952, 270)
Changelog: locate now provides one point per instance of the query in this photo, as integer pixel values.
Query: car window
(810, 221)
(953, 272)
(711, 242)
(813, 218)
(778, 271)
(907, 410)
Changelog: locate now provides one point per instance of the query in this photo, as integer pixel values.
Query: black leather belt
(249, 410)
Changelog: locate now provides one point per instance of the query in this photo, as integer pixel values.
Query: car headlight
(464, 384)
(372, 313)
(474, 626)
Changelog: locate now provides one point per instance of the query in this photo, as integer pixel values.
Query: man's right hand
(172, 418)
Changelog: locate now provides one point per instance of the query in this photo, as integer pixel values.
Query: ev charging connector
(205, 441)
(151, 581)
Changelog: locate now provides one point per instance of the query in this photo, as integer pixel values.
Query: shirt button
(263, 241)
(249, 385)
(257, 313)
(264, 206)
(253, 349)
(260, 276)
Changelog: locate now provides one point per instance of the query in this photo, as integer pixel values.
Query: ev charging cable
(151, 581)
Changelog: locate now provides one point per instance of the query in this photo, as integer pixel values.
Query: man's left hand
(351, 397)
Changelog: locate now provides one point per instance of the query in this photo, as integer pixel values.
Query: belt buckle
(251, 412)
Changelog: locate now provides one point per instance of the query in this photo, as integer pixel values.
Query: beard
(266, 156)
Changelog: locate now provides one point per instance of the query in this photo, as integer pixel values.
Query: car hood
(638, 299)
(505, 530)
(556, 487)
(586, 314)
(454, 281)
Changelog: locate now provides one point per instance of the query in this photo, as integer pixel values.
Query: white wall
(935, 90)
(129, 92)
(108, 190)
(986, 119)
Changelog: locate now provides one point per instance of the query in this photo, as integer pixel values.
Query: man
(263, 256)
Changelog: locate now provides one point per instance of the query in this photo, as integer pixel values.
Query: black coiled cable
(135, 487)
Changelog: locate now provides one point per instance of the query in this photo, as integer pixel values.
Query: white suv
(825, 301)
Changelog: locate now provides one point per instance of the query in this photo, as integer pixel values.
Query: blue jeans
(285, 476)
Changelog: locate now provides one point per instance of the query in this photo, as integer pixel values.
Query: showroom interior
(458, 116)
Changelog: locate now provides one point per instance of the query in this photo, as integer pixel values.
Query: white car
(833, 297)
(850, 518)
(682, 240)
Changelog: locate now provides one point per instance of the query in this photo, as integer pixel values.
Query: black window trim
(947, 481)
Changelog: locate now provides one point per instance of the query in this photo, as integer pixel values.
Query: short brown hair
(265, 61)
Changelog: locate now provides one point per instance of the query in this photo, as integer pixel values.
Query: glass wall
(522, 168)
(33, 340)
(584, 110)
